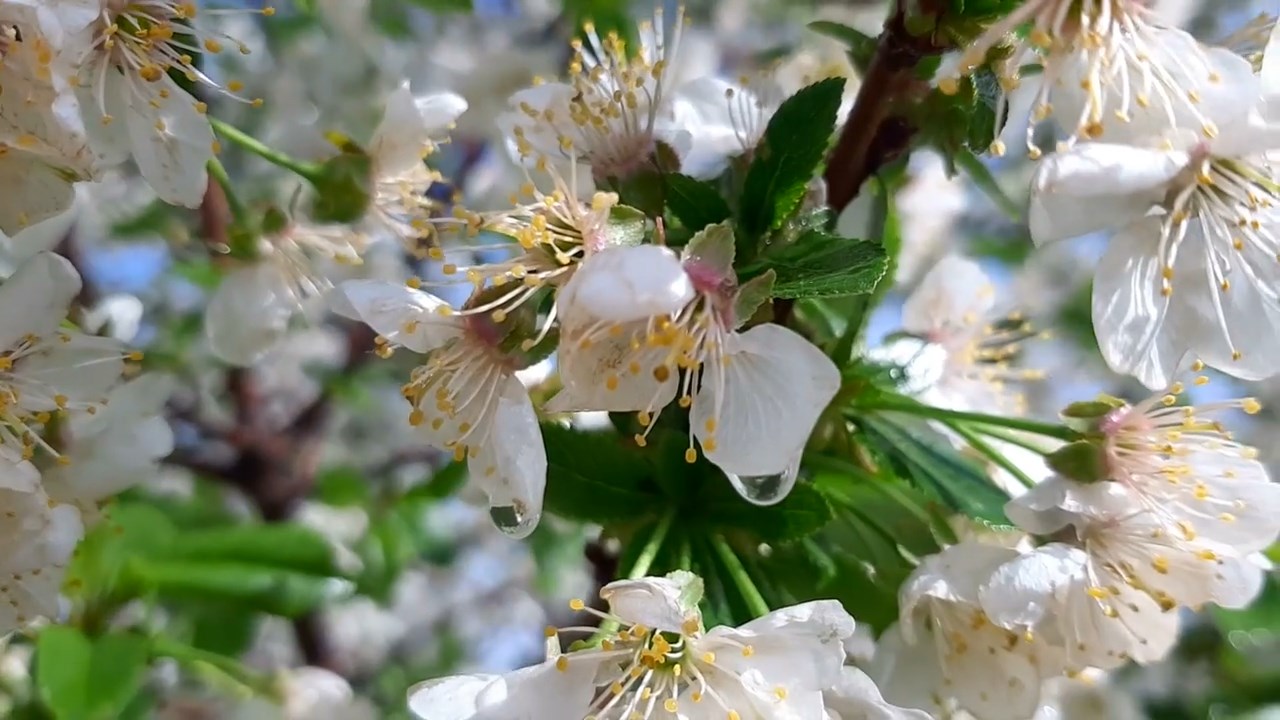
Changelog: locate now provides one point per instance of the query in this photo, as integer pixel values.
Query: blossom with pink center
(642, 326)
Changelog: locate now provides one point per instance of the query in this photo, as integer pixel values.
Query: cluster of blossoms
(1156, 509)
(640, 325)
(1167, 148)
(72, 434)
(90, 84)
(656, 659)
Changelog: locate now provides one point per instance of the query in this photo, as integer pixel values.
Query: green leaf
(342, 486)
(63, 655)
(596, 478)
(80, 679)
(263, 588)
(862, 47)
(696, 204)
(932, 465)
(787, 158)
(818, 264)
(803, 512)
(281, 545)
(220, 629)
(128, 530)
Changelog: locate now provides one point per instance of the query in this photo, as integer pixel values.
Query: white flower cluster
(64, 415)
(89, 84)
(1168, 148)
(655, 659)
(1159, 509)
(640, 326)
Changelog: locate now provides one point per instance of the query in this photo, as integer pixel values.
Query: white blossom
(466, 397)
(614, 110)
(660, 660)
(1107, 70)
(410, 130)
(250, 311)
(38, 536)
(115, 448)
(945, 651)
(728, 119)
(642, 327)
(46, 368)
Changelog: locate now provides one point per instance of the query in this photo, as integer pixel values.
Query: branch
(877, 132)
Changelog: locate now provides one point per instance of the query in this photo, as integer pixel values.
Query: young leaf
(861, 45)
(281, 545)
(258, 587)
(595, 478)
(819, 264)
(789, 154)
(929, 462)
(83, 679)
(695, 203)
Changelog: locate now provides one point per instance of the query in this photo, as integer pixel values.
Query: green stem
(977, 443)
(230, 667)
(738, 573)
(1036, 427)
(255, 146)
(1014, 438)
(644, 560)
(238, 210)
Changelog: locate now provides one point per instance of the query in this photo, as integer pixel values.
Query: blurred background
(422, 584)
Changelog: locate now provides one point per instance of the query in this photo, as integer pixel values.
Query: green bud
(343, 184)
(1082, 461)
(1084, 416)
(274, 220)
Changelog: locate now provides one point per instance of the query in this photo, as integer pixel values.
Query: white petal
(171, 144)
(1129, 311)
(627, 284)
(799, 647)
(248, 314)
(1025, 591)
(400, 314)
(36, 297)
(856, 697)
(956, 293)
(455, 697)
(511, 464)
(908, 674)
(31, 191)
(760, 407)
(661, 603)
(82, 368)
(408, 126)
(1216, 324)
(587, 373)
(1096, 186)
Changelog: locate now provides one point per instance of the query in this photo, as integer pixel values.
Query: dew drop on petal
(765, 489)
(514, 520)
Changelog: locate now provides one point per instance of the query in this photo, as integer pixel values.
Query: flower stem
(255, 146)
(238, 210)
(645, 559)
(982, 446)
(738, 573)
(196, 658)
(910, 407)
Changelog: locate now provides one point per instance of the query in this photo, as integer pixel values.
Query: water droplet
(514, 520)
(766, 489)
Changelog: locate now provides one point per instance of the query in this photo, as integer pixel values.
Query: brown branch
(877, 131)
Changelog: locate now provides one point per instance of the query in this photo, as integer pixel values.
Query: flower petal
(1130, 311)
(755, 412)
(43, 287)
(1098, 186)
(400, 314)
(408, 126)
(248, 314)
(956, 293)
(171, 143)
(626, 284)
(658, 603)
(511, 462)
